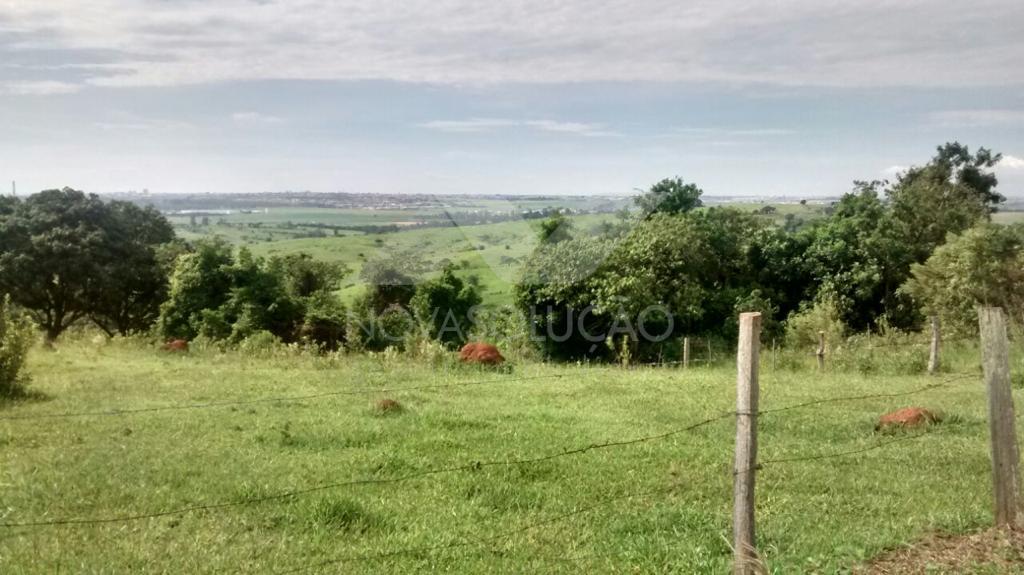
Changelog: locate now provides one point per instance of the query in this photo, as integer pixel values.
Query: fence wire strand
(472, 466)
(283, 399)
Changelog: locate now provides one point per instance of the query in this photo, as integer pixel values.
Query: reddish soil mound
(176, 345)
(387, 406)
(482, 353)
(906, 417)
(992, 551)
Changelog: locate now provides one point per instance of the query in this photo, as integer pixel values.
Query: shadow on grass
(21, 397)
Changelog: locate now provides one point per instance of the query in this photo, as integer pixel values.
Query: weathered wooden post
(686, 352)
(745, 560)
(710, 356)
(933, 354)
(995, 360)
(821, 351)
(774, 353)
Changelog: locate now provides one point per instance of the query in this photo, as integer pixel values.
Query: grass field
(656, 506)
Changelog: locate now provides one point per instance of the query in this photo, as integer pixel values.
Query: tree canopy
(66, 256)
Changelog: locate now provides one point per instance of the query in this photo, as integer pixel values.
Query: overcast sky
(793, 98)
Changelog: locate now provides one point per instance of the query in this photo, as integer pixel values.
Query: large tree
(983, 265)
(134, 277)
(66, 256)
(669, 196)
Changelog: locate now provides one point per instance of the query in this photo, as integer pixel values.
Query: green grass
(566, 514)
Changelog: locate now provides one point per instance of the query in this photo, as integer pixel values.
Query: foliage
(222, 296)
(669, 196)
(68, 256)
(556, 228)
(443, 307)
(984, 265)
(803, 327)
(670, 274)
(16, 337)
(391, 281)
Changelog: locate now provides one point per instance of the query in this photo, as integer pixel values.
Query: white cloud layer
(1011, 162)
(790, 42)
(481, 125)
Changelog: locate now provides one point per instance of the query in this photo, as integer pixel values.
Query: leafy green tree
(946, 196)
(134, 279)
(61, 250)
(853, 258)
(669, 196)
(443, 305)
(983, 265)
(555, 228)
(202, 281)
(218, 294)
(391, 281)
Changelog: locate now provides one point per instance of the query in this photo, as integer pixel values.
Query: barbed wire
(932, 386)
(282, 399)
(471, 466)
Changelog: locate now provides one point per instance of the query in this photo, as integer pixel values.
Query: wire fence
(466, 540)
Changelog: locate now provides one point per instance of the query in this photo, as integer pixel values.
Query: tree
(221, 295)
(202, 280)
(133, 283)
(443, 305)
(66, 256)
(52, 252)
(984, 265)
(669, 196)
(946, 196)
(556, 228)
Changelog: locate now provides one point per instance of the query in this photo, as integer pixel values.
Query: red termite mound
(176, 345)
(482, 353)
(906, 417)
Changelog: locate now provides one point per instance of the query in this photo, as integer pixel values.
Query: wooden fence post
(821, 351)
(686, 352)
(995, 361)
(745, 560)
(774, 353)
(710, 356)
(933, 354)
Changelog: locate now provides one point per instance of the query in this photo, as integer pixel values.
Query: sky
(779, 98)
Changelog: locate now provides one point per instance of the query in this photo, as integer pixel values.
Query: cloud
(577, 128)
(40, 88)
(480, 125)
(256, 119)
(471, 126)
(789, 43)
(979, 118)
(1011, 162)
(894, 171)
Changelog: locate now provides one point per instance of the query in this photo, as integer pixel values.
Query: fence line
(932, 386)
(472, 466)
(283, 399)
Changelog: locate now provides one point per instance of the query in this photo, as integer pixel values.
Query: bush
(259, 343)
(16, 337)
(802, 327)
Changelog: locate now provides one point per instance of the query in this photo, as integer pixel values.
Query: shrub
(16, 337)
(802, 327)
(259, 343)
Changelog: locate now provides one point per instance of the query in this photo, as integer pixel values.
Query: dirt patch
(991, 551)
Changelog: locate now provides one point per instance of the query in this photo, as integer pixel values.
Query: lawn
(656, 506)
